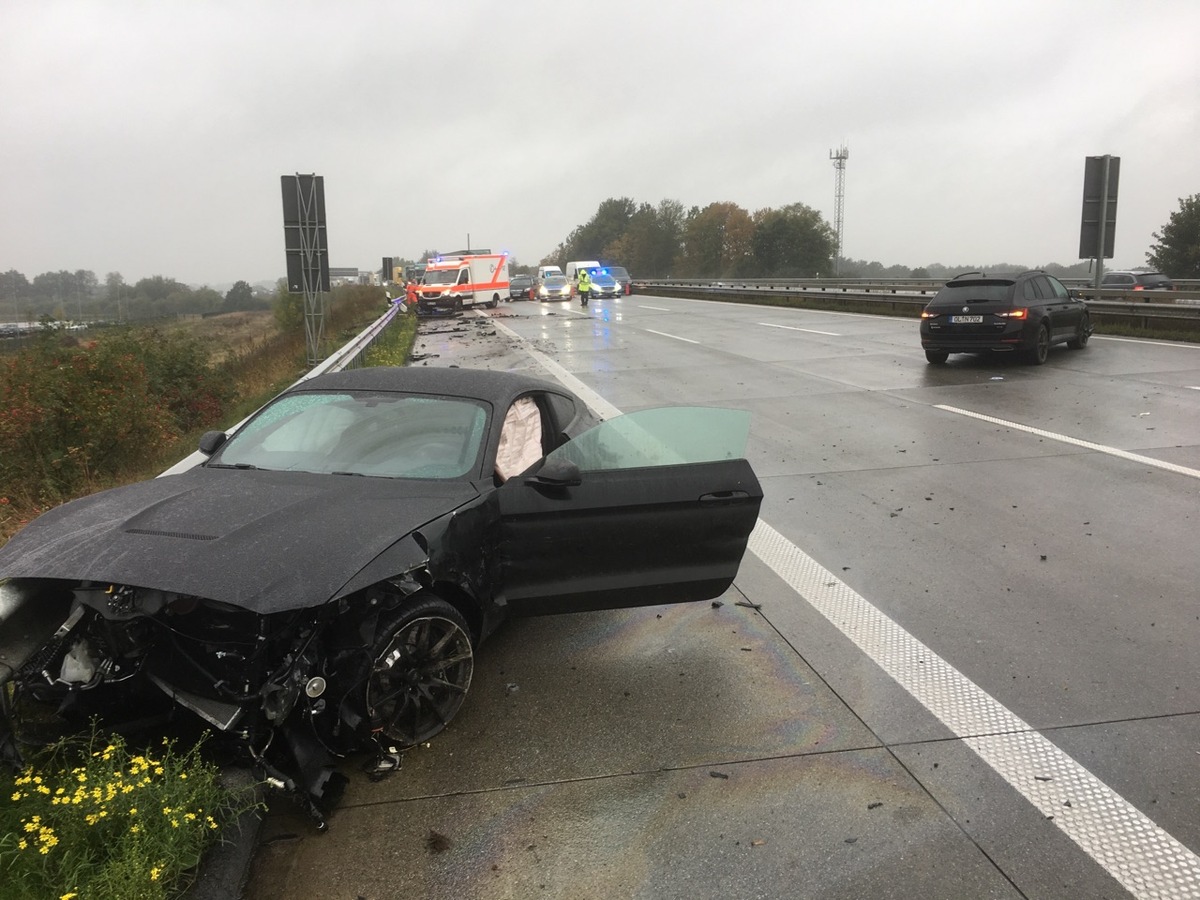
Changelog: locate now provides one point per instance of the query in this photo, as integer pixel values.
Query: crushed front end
(281, 692)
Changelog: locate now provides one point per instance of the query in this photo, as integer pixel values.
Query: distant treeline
(80, 296)
(723, 240)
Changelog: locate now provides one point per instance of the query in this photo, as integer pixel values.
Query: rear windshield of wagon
(976, 292)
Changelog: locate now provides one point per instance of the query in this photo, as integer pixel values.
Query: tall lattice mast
(839, 158)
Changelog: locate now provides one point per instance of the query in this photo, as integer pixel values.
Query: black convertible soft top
(495, 387)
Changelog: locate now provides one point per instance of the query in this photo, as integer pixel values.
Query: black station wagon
(1028, 313)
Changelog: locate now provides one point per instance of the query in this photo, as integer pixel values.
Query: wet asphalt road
(972, 672)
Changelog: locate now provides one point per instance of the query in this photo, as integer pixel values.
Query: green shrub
(76, 415)
(392, 348)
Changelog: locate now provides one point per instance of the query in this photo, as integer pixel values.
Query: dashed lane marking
(1076, 442)
(672, 336)
(794, 328)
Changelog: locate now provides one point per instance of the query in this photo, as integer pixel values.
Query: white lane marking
(822, 312)
(1105, 337)
(659, 308)
(674, 336)
(794, 328)
(1193, 387)
(1149, 862)
(1065, 439)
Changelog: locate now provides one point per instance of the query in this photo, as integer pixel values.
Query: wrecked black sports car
(319, 584)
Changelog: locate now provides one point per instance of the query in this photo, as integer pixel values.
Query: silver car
(554, 287)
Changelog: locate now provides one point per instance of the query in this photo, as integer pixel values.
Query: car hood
(265, 541)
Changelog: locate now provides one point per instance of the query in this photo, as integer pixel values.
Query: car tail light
(1014, 314)
(1139, 287)
(926, 314)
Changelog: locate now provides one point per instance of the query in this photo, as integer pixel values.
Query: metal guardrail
(1170, 311)
(1187, 289)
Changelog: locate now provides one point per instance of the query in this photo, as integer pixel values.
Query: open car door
(655, 506)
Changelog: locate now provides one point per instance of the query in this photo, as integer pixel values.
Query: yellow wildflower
(154, 873)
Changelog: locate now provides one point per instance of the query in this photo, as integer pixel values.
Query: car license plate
(966, 320)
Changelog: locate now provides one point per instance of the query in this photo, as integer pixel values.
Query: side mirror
(211, 441)
(557, 472)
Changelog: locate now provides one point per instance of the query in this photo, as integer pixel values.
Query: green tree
(52, 286)
(717, 241)
(600, 237)
(205, 300)
(157, 288)
(792, 242)
(239, 297)
(650, 244)
(13, 284)
(114, 285)
(1177, 251)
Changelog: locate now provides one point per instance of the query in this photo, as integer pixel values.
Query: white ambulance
(452, 283)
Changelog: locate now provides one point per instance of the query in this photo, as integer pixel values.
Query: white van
(574, 266)
(545, 271)
(452, 282)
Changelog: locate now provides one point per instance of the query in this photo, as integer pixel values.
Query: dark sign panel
(1100, 177)
(304, 238)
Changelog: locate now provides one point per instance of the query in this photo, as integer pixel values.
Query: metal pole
(1100, 234)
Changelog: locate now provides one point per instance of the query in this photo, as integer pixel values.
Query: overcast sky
(149, 138)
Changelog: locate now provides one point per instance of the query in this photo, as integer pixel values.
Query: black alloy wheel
(1041, 346)
(423, 662)
(1082, 334)
(937, 357)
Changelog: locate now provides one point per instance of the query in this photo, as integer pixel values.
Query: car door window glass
(1042, 286)
(1058, 288)
(660, 437)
